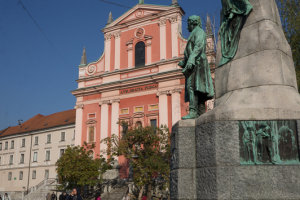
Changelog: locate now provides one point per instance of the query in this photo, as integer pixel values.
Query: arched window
(140, 54)
(138, 124)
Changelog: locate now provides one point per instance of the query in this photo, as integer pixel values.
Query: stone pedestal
(206, 164)
(183, 160)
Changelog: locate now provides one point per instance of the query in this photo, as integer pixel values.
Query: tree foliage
(148, 151)
(290, 16)
(77, 168)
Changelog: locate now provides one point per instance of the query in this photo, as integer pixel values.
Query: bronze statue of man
(198, 82)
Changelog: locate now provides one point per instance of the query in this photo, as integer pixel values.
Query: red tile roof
(40, 122)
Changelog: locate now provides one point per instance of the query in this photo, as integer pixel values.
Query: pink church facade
(137, 78)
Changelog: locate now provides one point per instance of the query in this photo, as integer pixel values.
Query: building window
(140, 54)
(9, 176)
(34, 174)
(35, 154)
(138, 124)
(6, 146)
(124, 111)
(22, 159)
(153, 123)
(12, 144)
(138, 109)
(91, 133)
(153, 107)
(21, 175)
(48, 138)
(61, 152)
(47, 155)
(23, 142)
(36, 140)
(0, 146)
(46, 173)
(0, 160)
(62, 136)
(91, 115)
(11, 159)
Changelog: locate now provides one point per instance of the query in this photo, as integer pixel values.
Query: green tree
(290, 17)
(77, 168)
(148, 151)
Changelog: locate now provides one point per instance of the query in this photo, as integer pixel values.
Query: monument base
(207, 163)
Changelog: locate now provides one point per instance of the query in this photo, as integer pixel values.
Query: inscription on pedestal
(268, 142)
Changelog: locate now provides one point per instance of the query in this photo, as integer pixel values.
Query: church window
(138, 109)
(91, 133)
(138, 124)
(140, 54)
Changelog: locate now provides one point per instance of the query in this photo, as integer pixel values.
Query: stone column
(78, 124)
(176, 108)
(163, 107)
(129, 53)
(107, 51)
(117, 50)
(163, 42)
(115, 116)
(174, 32)
(104, 123)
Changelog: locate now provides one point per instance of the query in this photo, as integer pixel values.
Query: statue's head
(194, 21)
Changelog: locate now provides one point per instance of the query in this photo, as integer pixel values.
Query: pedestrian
(0, 197)
(6, 197)
(74, 195)
(98, 196)
(63, 196)
(53, 196)
(48, 197)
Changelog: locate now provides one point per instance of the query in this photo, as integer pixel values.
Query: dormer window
(140, 54)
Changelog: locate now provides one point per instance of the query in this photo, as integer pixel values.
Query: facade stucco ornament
(91, 121)
(173, 19)
(139, 14)
(115, 101)
(129, 44)
(79, 106)
(148, 40)
(107, 36)
(177, 90)
(91, 69)
(117, 34)
(104, 102)
(162, 22)
(164, 92)
(139, 33)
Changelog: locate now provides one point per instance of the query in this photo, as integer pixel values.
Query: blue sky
(39, 63)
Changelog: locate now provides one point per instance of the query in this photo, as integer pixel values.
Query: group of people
(5, 197)
(64, 196)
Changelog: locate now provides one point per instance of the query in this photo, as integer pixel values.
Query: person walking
(74, 195)
(53, 196)
(98, 196)
(63, 196)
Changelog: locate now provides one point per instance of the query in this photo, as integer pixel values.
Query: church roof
(149, 9)
(40, 122)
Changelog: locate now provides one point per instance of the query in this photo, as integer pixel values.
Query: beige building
(29, 151)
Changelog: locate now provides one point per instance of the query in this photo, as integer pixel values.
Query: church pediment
(138, 12)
